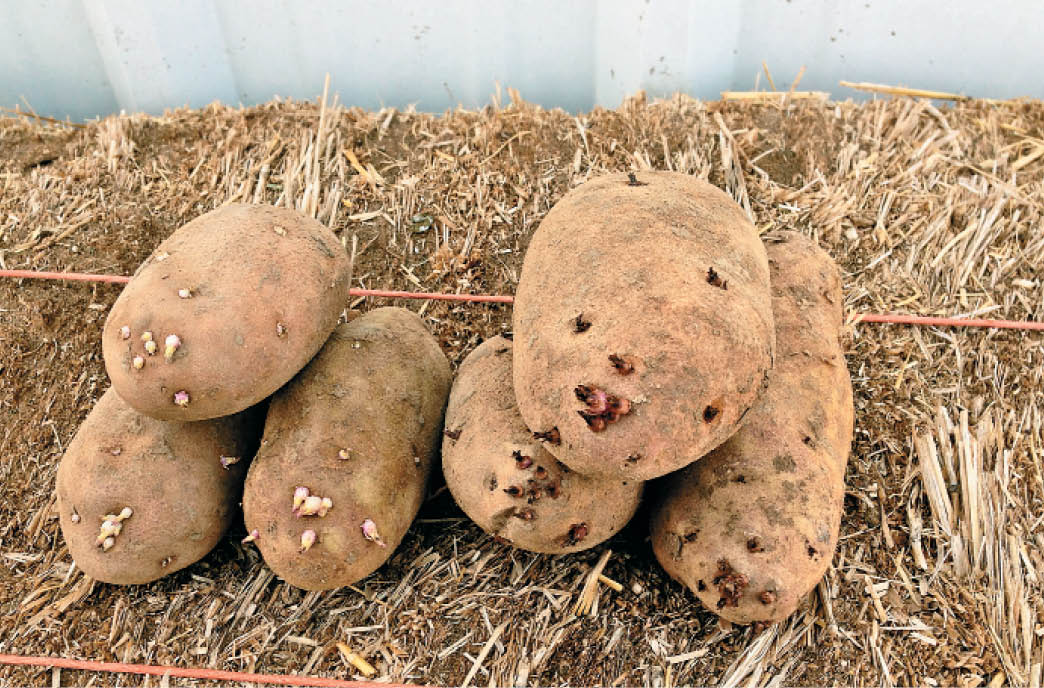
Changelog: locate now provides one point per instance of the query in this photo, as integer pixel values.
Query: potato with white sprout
(235, 309)
(140, 498)
(325, 517)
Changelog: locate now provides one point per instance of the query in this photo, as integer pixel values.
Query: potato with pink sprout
(224, 312)
(643, 324)
(140, 498)
(347, 452)
(506, 482)
(752, 527)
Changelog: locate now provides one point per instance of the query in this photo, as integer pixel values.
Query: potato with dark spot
(643, 324)
(140, 498)
(347, 452)
(224, 312)
(751, 528)
(506, 482)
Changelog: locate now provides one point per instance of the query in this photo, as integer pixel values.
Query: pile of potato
(232, 383)
(657, 338)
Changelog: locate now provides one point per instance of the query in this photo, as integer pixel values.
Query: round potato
(140, 498)
(751, 528)
(643, 324)
(225, 312)
(347, 451)
(506, 482)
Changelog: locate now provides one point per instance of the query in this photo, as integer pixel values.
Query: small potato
(751, 528)
(140, 498)
(225, 312)
(643, 324)
(347, 451)
(506, 482)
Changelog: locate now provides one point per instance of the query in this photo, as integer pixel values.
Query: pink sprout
(369, 531)
(307, 540)
(181, 398)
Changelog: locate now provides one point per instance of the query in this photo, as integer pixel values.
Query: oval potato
(171, 476)
(251, 292)
(653, 295)
(751, 528)
(506, 482)
(359, 426)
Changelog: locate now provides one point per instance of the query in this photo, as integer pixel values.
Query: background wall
(85, 58)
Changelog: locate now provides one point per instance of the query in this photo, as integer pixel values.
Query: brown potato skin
(246, 279)
(634, 260)
(384, 401)
(168, 473)
(565, 512)
(768, 502)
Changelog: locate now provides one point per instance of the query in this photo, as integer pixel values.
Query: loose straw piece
(590, 589)
(356, 660)
(903, 91)
(482, 655)
(189, 672)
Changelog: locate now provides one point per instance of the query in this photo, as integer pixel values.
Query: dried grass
(929, 210)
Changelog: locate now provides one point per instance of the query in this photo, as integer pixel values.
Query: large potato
(172, 488)
(235, 303)
(347, 451)
(506, 482)
(752, 527)
(643, 324)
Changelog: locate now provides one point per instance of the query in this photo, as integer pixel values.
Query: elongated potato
(347, 451)
(140, 498)
(643, 324)
(752, 527)
(506, 482)
(225, 312)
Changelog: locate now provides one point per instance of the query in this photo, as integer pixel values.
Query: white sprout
(172, 342)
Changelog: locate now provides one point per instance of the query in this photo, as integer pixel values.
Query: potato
(752, 527)
(234, 303)
(347, 451)
(506, 482)
(170, 489)
(643, 324)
